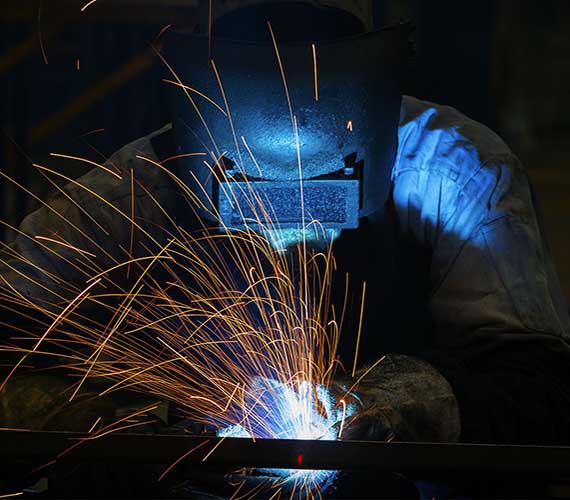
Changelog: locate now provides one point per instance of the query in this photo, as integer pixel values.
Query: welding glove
(404, 398)
(41, 401)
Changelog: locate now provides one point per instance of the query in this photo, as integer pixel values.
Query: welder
(462, 296)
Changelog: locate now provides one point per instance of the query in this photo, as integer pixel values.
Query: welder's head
(295, 90)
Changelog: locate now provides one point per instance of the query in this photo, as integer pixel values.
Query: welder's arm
(58, 249)
(499, 313)
(78, 235)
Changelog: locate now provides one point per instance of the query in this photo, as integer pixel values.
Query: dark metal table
(409, 458)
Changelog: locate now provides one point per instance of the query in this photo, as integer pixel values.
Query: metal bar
(410, 458)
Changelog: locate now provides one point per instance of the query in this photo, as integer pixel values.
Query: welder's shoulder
(135, 158)
(442, 151)
(440, 138)
(128, 175)
(131, 165)
(442, 142)
(452, 174)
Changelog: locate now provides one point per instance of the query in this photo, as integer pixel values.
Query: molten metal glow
(279, 411)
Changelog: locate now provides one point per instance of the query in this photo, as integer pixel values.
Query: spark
(282, 70)
(315, 72)
(89, 162)
(95, 131)
(181, 155)
(117, 429)
(87, 5)
(349, 125)
(189, 452)
(94, 425)
(228, 114)
(114, 427)
(152, 258)
(302, 196)
(162, 31)
(364, 374)
(214, 448)
(40, 35)
(67, 245)
(186, 87)
(75, 204)
(355, 364)
(74, 303)
(278, 492)
(192, 102)
(12, 495)
(93, 193)
(132, 240)
(259, 171)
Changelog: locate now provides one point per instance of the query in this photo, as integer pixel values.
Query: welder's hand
(404, 398)
(41, 401)
(366, 425)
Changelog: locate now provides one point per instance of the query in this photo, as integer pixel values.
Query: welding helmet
(297, 101)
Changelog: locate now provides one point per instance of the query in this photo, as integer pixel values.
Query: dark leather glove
(40, 401)
(402, 397)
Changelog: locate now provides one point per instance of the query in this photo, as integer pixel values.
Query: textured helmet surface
(265, 132)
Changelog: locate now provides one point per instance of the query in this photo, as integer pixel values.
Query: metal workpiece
(413, 459)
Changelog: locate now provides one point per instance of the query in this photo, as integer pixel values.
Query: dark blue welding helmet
(293, 102)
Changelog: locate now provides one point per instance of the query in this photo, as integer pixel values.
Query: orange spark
(94, 425)
(194, 106)
(216, 446)
(64, 244)
(89, 162)
(96, 131)
(40, 35)
(186, 87)
(182, 155)
(228, 114)
(315, 72)
(189, 452)
(282, 70)
(161, 32)
(359, 329)
(11, 495)
(88, 4)
(77, 300)
(251, 156)
(132, 240)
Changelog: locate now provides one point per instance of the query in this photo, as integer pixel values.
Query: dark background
(504, 63)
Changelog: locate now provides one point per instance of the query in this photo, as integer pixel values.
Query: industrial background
(85, 83)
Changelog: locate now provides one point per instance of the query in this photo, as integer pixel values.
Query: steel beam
(410, 458)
